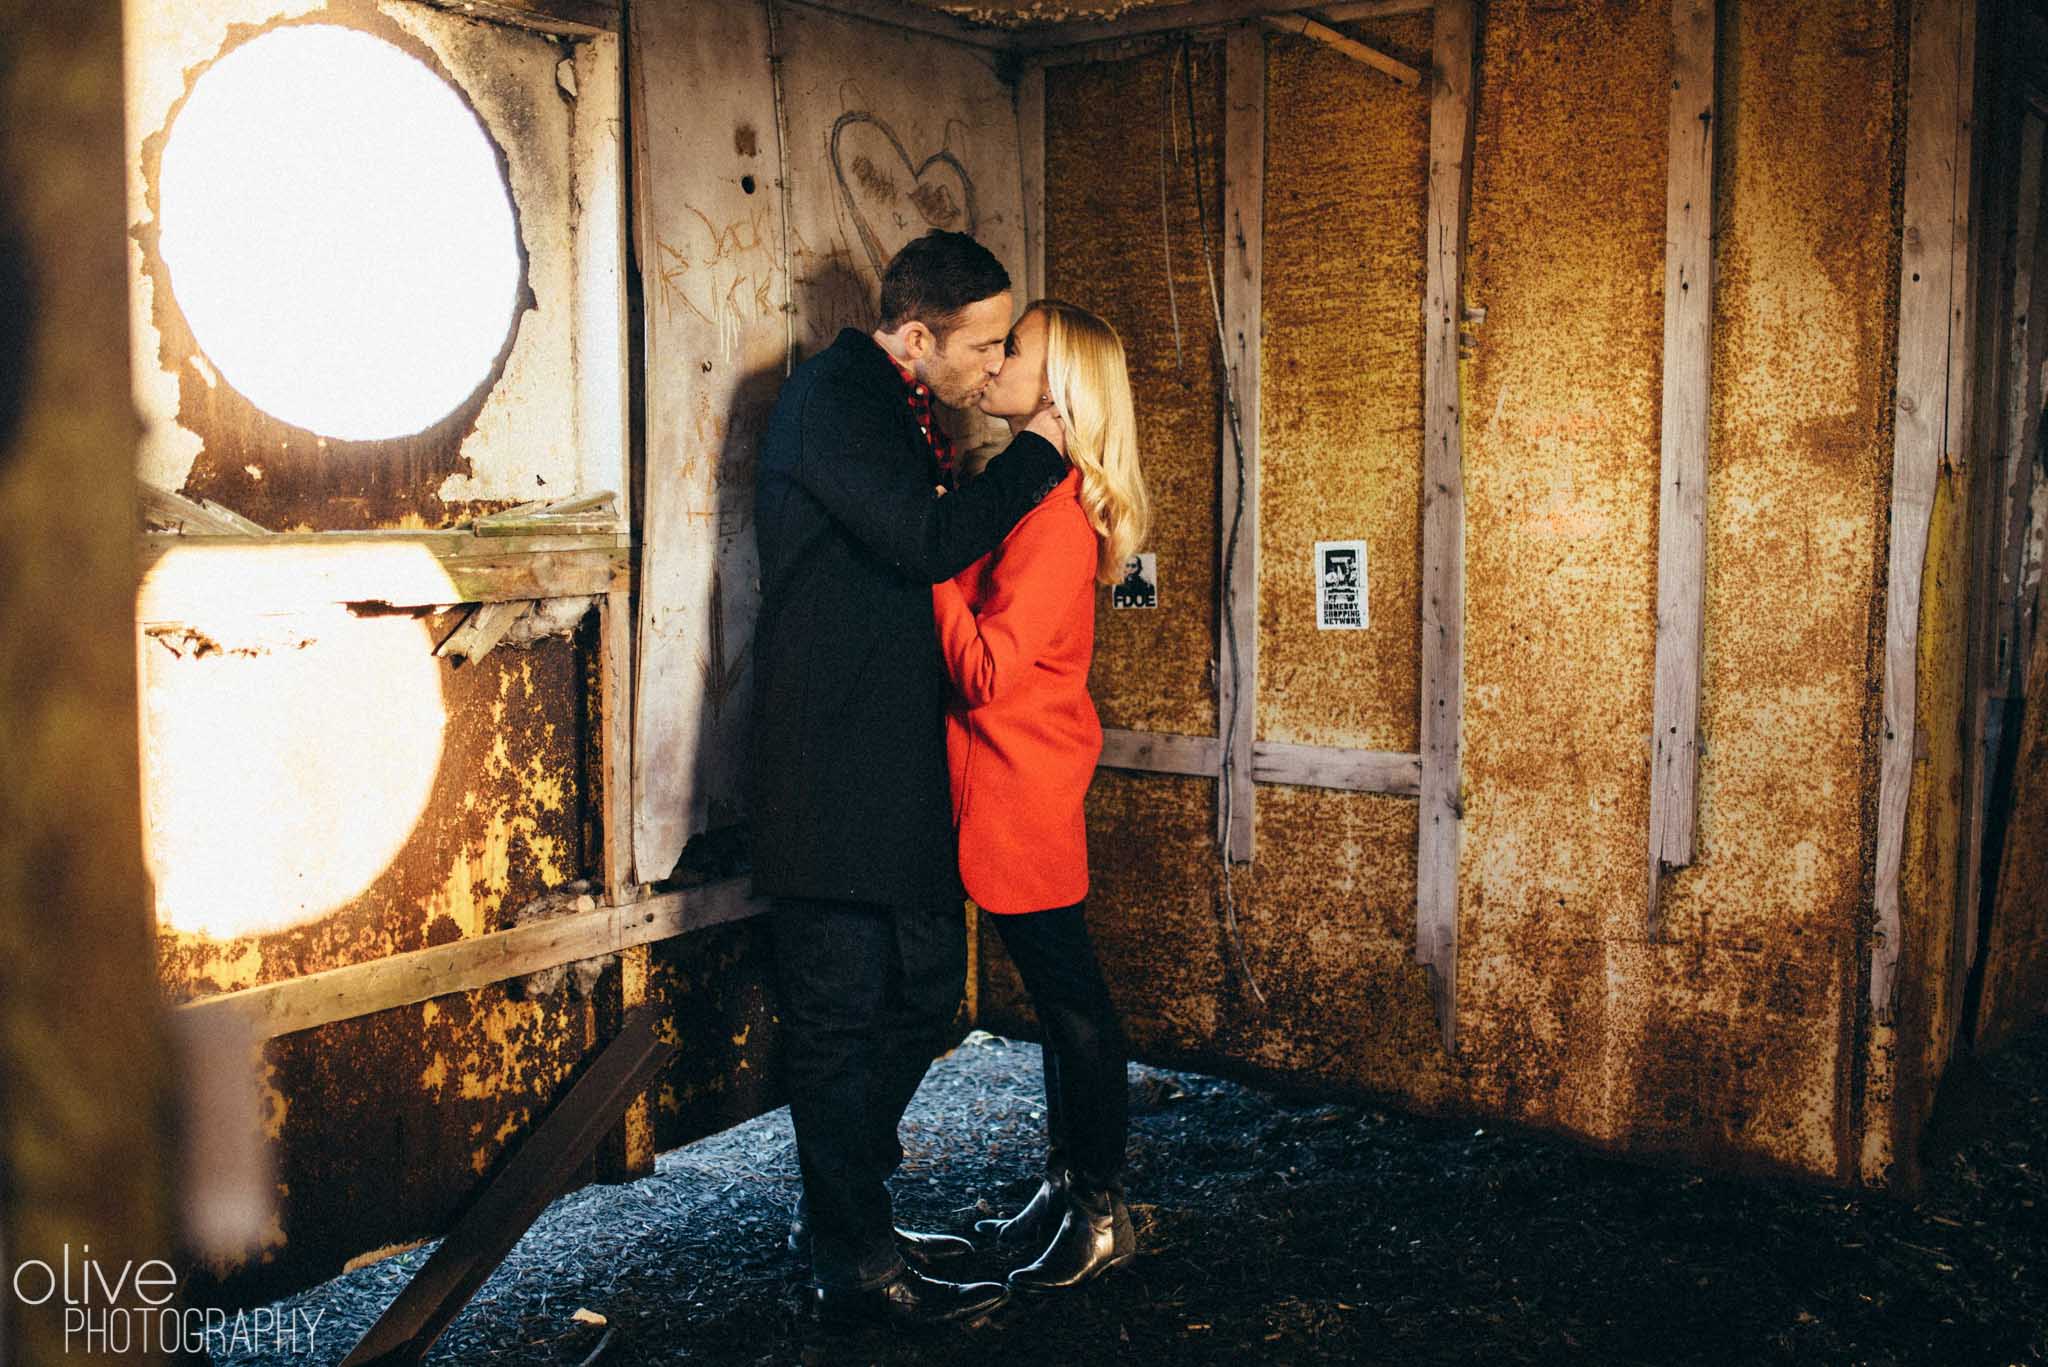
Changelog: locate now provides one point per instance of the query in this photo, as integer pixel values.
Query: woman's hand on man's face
(1046, 423)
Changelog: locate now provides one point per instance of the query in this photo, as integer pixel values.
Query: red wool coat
(1017, 629)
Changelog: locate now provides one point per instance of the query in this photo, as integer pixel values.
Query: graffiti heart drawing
(890, 198)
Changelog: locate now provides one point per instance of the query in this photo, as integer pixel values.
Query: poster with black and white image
(1139, 588)
(1340, 586)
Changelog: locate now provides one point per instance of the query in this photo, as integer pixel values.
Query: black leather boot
(1030, 1227)
(1094, 1236)
(908, 1301)
(919, 1248)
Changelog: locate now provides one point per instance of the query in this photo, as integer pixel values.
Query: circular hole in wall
(338, 232)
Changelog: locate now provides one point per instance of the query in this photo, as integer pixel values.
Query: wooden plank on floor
(1682, 506)
(538, 1171)
(1244, 190)
(1935, 193)
(1322, 766)
(1443, 505)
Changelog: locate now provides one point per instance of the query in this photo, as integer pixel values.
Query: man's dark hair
(936, 277)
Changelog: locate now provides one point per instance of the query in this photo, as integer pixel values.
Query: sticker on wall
(1340, 586)
(1139, 588)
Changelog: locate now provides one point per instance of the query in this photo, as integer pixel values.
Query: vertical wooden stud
(1931, 259)
(1244, 188)
(1443, 505)
(1688, 382)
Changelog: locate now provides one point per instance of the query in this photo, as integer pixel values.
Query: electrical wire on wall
(1169, 136)
(1233, 661)
(774, 15)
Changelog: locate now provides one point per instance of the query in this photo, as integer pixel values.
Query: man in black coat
(852, 818)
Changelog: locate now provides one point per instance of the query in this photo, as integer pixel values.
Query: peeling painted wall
(551, 420)
(1734, 1043)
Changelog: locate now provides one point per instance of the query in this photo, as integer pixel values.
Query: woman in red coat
(1018, 630)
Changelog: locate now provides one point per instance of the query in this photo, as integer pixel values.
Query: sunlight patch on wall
(338, 232)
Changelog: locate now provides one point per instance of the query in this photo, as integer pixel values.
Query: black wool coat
(848, 787)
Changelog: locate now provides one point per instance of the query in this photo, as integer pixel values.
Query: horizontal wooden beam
(563, 18)
(338, 994)
(1195, 14)
(1302, 26)
(1374, 9)
(1320, 766)
(188, 576)
(905, 14)
(1305, 766)
(1154, 752)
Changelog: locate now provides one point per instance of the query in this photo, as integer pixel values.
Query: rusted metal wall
(434, 1091)
(320, 790)
(1733, 1042)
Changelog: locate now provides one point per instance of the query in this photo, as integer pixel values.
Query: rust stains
(1347, 165)
(1734, 1043)
(1106, 250)
(502, 825)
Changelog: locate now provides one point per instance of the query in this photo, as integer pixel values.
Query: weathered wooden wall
(321, 790)
(1733, 1040)
(491, 774)
(885, 134)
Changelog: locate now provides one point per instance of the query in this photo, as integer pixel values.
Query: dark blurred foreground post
(83, 1120)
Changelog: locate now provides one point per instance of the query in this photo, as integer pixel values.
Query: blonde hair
(1091, 389)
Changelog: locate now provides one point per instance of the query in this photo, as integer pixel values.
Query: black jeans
(1087, 1102)
(868, 997)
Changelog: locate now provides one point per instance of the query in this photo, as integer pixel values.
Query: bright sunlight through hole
(338, 232)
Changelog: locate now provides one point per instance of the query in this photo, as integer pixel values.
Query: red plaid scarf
(920, 398)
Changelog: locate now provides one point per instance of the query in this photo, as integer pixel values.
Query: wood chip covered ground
(1281, 1231)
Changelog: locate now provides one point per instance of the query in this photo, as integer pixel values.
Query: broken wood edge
(1687, 387)
(481, 630)
(202, 516)
(355, 990)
